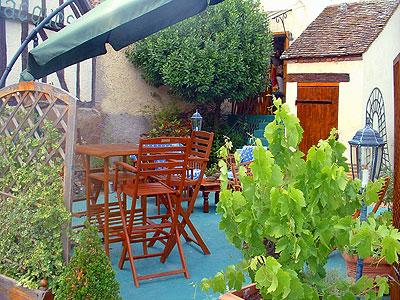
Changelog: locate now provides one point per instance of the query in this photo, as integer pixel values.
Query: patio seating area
(207, 154)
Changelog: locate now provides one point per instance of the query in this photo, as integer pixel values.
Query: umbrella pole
(29, 38)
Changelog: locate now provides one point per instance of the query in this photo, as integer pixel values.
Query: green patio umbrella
(116, 22)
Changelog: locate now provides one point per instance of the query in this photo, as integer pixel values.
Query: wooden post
(394, 290)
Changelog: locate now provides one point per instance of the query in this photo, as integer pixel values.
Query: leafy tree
(220, 54)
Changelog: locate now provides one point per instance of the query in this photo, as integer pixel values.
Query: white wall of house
(378, 71)
(351, 111)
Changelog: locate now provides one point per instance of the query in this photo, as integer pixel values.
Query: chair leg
(126, 236)
(123, 256)
(156, 234)
(135, 279)
(174, 228)
(144, 221)
(182, 256)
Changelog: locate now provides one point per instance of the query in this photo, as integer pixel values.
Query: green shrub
(32, 223)
(89, 274)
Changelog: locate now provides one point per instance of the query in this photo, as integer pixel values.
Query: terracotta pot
(237, 295)
(9, 290)
(371, 266)
(211, 178)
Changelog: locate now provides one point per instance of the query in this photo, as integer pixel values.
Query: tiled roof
(342, 30)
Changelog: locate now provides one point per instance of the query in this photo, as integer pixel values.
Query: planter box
(371, 268)
(237, 295)
(10, 291)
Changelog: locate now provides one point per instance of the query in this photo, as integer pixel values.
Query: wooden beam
(78, 81)
(394, 291)
(3, 46)
(318, 77)
(93, 82)
(75, 10)
(83, 5)
(24, 35)
(318, 84)
(61, 79)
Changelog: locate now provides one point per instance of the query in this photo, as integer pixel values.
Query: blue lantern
(366, 152)
(197, 121)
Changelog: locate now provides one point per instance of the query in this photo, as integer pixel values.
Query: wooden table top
(210, 184)
(107, 150)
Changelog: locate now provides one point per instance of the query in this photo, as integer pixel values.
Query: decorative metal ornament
(375, 114)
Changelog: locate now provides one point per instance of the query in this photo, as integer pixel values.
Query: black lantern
(366, 152)
(197, 121)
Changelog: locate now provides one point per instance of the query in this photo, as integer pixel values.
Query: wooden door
(394, 292)
(317, 109)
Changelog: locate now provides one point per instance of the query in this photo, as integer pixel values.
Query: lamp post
(366, 152)
(197, 121)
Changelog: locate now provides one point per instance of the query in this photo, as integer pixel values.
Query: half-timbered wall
(19, 17)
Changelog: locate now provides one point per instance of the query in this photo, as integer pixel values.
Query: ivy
(32, 223)
(292, 212)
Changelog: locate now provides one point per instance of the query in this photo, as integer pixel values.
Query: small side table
(208, 187)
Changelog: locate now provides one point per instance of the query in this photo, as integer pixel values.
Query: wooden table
(104, 151)
(208, 187)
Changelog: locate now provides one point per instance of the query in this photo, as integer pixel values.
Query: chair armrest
(125, 166)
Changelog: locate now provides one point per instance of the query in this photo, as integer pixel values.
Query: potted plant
(375, 263)
(89, 274)
(212, 173)
(291, 213)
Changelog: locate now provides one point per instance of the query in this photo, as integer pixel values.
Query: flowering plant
(171, 128)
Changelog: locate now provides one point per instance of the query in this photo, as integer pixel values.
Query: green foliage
(89, 274)
(32, 224)
(222, 53)
(164, 119)
(171, 128)
(388, 198)
(220, 140)
(292, 212)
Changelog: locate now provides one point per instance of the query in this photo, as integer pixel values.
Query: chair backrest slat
(163, 156)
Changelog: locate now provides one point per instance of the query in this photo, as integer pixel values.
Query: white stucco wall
(351, 109)
(121, 93)
(378, 68)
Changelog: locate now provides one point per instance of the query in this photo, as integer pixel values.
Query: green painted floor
(177, 287)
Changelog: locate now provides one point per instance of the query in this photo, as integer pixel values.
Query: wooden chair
(381, 195)
(200, 148)
(235, 183)
(169, 161)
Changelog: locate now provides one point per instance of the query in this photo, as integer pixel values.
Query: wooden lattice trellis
(40, 102)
